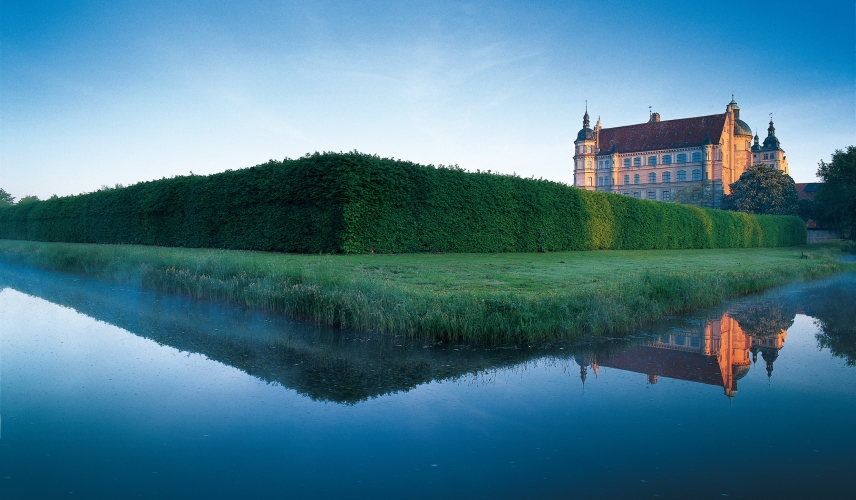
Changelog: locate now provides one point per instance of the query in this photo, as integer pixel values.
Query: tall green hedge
(357, 203)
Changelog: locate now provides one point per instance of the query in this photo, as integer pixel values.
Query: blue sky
(95, 93)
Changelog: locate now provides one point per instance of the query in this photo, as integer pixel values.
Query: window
(626, 180)
(667, 159)
(680, 340)
(682, 158)
(697, 156)
(626, 193)
(652, 160)
(667, 195)
(588, 164)
(589, 181)
(652, 178)
(627, 163)
(635, 178)
(682, 175)
(696, 175)
(637, 162)
(600, 181)
(664, 339)
(765, 156)
(667, 177)
(694, 341)
(652, 195)
(600, 164)
(636, 194)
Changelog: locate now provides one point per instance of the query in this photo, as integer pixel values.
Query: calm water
(117, 392)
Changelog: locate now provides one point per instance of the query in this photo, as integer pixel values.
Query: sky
(97, 93)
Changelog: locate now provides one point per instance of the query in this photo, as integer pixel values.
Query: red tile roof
(681, 365)
(807, 189)
(686, 132)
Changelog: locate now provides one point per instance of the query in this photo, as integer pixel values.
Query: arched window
(696, 175)
(627, 163)
(637, 162)
(682, 175)
(667, 159)
(652, 160)
(667, 177)
(697, 156)
(682, 158)
(635, 178)
(626, 180)
(652, 178)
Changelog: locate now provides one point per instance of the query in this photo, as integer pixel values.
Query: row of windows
(681, 340)
(667, 160)
(652, 177)
(651, 195)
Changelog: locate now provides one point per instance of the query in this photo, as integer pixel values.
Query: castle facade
(655, 160)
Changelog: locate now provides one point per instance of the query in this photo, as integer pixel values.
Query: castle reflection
(716, 354)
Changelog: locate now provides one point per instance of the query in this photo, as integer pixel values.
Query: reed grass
(463, 297)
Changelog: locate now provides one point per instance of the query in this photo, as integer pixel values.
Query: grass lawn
(507, 297)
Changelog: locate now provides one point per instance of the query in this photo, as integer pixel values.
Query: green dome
(742, 128)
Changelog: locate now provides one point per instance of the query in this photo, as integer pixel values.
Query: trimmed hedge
(356, 203)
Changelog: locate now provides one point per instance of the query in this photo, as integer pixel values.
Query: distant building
(654, 160)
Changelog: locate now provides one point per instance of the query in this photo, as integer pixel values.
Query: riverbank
(510, 297)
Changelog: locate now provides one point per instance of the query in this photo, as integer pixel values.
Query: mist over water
(115, 391)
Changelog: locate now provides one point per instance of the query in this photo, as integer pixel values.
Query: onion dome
(741, 128)
(586, 134)
(771, 142)
(739, 371)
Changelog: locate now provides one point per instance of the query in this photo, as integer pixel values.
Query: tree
(835, 201)
(763, 189)
(700, 194)
(28, 199)
(6, 199)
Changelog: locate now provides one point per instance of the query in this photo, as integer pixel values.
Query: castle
(655, 160)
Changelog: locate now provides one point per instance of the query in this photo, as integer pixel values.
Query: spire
(586, 117)
(771, 130)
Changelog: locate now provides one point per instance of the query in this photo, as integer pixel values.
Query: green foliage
(6, 199)
(763, 189)
(356, 203)
(699, 194)
(835, 201)
(806, 209)
(28, 199)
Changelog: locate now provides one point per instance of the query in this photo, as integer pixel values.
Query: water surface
(111, 391)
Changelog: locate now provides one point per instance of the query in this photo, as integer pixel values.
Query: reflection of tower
(652, 379)
(733, 355)
(584, 362)
(769, 347)
(769, 355)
